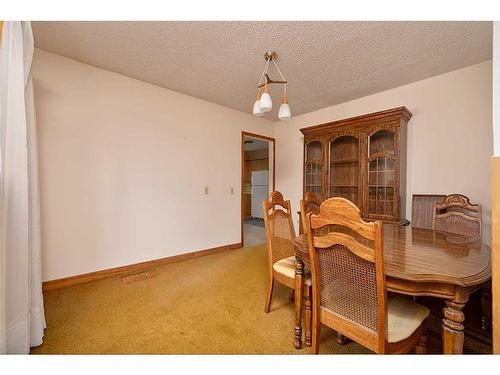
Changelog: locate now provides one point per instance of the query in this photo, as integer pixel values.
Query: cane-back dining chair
(310, 203)
(455, 214)
(280, 234)
(348, 284)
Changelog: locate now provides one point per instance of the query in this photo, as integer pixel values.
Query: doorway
(257, 181)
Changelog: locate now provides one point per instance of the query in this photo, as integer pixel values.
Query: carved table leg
(299, 287)
(308, 317)
(453, 329)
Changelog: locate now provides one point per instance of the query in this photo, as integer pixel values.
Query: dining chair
(456, 214)
(348, 284)
(280, 234)
(310, 203)
(421, 209)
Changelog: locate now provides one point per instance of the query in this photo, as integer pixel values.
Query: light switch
(206, 190)
(231, 190)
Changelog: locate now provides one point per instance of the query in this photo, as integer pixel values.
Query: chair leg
(308, 318)
(421, 347)
(316, 331)
(291, 294)
(341, 339)
(269, 293)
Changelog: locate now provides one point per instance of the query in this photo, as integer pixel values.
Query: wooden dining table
(419, 262)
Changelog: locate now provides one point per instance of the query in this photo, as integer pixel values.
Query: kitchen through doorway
(257, 183)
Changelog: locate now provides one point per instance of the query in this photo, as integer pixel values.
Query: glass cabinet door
(344, 168)
(381, 174)
(313, 170)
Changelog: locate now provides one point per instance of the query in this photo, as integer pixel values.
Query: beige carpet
(213, 304)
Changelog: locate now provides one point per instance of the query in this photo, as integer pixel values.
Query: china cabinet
(362, 159)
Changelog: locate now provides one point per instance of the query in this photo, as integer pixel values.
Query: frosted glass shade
(266, 104)
(256, 109)
(284, 112)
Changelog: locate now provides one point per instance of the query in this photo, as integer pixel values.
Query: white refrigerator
(260, 192)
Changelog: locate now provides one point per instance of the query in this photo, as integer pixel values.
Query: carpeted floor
(213, 304)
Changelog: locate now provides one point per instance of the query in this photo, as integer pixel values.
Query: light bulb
(284, 112)
(256, 109)
(266, 104)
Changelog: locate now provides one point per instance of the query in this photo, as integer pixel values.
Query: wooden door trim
(242, 164)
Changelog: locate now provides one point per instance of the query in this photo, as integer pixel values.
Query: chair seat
(403, 318)
(287, 266)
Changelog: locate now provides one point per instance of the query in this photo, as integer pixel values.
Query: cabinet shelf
(344, 186)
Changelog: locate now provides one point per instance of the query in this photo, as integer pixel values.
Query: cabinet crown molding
(388, 115)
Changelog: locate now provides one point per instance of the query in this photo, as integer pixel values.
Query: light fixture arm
(270, 56)
(264, 73)
(269, 81)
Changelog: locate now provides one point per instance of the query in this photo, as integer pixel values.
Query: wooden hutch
(362, 159)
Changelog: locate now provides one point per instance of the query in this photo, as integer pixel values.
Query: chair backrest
(422, 206)
(348, 273)
(310, 203)
(455, 214)
(280, 232)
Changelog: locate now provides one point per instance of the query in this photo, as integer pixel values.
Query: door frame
(262, 138)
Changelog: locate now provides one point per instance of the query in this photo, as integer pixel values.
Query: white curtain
(22, 320)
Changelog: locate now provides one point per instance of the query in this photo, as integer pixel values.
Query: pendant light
(266, 104)
(256, 106)
(263, 103)
(284, 113)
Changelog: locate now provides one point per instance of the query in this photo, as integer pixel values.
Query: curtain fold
(20, 234)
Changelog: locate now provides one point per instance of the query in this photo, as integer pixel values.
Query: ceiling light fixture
(263, 102)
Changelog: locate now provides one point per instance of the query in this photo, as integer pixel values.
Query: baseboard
(92, 276)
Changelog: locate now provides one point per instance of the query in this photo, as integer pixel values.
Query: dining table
(418, 262)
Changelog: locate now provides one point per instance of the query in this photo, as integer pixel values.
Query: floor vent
(127, 279)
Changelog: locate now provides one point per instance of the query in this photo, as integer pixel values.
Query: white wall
(123, 166)
(449, 136)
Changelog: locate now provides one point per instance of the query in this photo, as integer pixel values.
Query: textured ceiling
(326, 63)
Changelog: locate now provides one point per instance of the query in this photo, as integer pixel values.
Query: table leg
(453, 329)
(299, 288)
